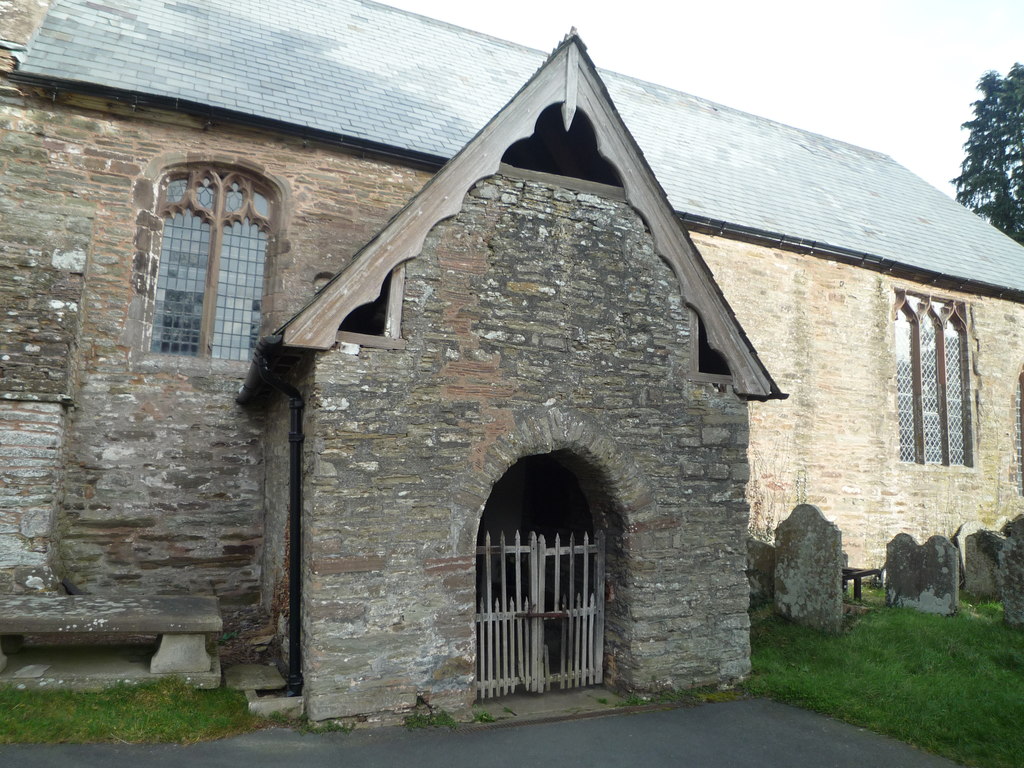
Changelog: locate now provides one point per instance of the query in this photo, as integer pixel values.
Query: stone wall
(538, 320)
(30, 481)
(157, 476)
(825, 331)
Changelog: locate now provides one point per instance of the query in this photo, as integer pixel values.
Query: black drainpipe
(295, 441)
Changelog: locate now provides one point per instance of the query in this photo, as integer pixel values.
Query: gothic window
(210, 281)
(932, 383)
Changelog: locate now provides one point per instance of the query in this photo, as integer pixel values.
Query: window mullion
(940, 374)
(915, 357)
(213, 268)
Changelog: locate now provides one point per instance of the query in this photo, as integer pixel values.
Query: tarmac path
(752, 733)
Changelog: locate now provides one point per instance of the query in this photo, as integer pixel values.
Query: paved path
(741, 734)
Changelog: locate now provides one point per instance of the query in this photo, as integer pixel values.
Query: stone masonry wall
(538, 320)
(30, 480)
(39, 313)
(43, 241)
(160, 484)
(825, 331)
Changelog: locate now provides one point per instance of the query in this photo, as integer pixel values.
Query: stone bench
(182, 623)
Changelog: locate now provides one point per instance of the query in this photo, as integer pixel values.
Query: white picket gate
(540, 619)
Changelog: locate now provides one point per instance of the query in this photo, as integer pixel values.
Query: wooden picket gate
(540, 619)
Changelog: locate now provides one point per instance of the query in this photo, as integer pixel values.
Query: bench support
(180, 653)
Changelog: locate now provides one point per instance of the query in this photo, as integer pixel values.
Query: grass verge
(952, 686)
(164, 711)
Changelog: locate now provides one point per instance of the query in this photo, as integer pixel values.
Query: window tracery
(209, 290)
(932, 382)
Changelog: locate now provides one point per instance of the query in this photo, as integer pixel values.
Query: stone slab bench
(183, 623)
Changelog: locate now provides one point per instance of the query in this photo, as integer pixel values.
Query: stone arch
(612, 481)
(616, 491)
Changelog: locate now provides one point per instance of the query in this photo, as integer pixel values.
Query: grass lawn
(952, 686)
(167, 710)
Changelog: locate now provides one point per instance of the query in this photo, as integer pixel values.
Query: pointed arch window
(932, 382)
(209, 290)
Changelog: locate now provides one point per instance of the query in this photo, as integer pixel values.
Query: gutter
(138, 99)
(266, 348)
(721, 228)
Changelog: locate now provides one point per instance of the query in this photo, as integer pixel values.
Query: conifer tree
(991, 180)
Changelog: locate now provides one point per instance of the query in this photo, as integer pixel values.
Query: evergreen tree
(991, 180)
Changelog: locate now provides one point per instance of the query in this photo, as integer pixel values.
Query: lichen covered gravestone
(808, 569)
(1011, 566)
(925, 577)
(981, 563)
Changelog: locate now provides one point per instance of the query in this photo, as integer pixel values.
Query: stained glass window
(210, 280)
(932, 381)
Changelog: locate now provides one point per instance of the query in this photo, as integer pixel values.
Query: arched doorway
(540, 583)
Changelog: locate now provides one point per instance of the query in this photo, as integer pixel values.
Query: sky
(895, 76)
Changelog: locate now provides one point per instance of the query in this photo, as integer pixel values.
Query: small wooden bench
(857, 576)
(183, 623)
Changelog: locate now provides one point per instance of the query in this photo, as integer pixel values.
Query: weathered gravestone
(981, 563)
(809, 569)
(959, 539)
(926, 577)
(760, 571)
(1014, 528)
(1011, 566)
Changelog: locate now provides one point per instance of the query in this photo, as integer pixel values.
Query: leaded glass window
(905, 385)
(210, 281)
(932, 383)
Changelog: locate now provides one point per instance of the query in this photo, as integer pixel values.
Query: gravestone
(1011, 567)
(809, 569)
(981, 558)
(760, 571)
(959, 539)
(1014, 528)
(925, 578)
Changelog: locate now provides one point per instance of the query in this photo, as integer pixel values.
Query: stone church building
(524, 345)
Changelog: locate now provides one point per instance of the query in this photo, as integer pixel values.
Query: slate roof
(374, 73)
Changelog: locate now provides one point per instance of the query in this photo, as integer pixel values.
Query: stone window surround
(217, 200)
(148, 193)
(953, 312)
